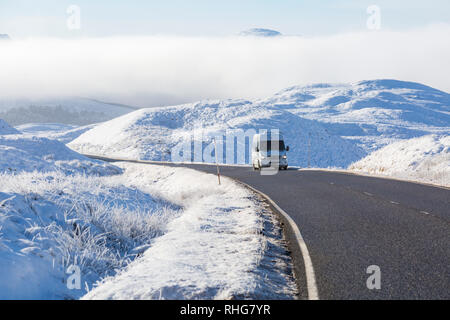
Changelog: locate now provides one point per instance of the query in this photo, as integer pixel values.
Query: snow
(223, 246)
(184, 236)
(50, 221)
(338, 123)
(425, 159)
(6, 129)
(370, 113)
(69, 110)
(55, 131)
(175, 225)
(152, 134)
(27, 153)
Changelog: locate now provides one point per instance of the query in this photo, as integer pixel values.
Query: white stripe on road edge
(313, 293)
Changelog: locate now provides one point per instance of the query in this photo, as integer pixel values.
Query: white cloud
(162, 70)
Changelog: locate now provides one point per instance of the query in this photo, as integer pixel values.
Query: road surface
(351, 222)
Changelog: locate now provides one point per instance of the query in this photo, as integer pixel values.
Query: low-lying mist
(160, 70)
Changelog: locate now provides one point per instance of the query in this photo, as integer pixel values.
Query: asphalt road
(351, 222)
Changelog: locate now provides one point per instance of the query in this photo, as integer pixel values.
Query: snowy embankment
(425, 159)
(195, 246)
(191, 238)
(26, 153)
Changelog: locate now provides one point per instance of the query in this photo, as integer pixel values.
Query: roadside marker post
(217, 163)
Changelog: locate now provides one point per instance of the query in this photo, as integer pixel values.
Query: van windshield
(273, 143)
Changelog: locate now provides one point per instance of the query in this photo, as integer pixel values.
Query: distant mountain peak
(260, 32)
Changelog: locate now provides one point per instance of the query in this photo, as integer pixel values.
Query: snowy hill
(373, 113)
(337, 123)
(151, 134)
(425, 159)
(260, 32)
(19, 153)
(74, 111)
(6, 129)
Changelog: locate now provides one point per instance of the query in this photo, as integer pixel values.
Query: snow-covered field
(425, 159)
(62, 132)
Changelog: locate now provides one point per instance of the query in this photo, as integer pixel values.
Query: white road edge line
(313, 293)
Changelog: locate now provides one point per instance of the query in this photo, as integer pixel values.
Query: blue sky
(29, 18)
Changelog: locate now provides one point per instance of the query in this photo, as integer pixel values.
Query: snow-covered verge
(224, 245)
(424, 159)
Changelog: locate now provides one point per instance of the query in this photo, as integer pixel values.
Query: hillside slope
(372, 113)
(152, 134)
(425, 159)
(6, 128)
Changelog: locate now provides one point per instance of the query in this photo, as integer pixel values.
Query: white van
(268, 150)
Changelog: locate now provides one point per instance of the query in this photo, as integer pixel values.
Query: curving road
(350, 222)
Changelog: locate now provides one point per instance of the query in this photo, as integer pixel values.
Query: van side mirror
(287, 148)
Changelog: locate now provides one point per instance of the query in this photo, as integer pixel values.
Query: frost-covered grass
(425, 159)
(150, 232)
(50, 221)
(224, 245)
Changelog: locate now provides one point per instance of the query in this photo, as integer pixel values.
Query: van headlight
(284, 157)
